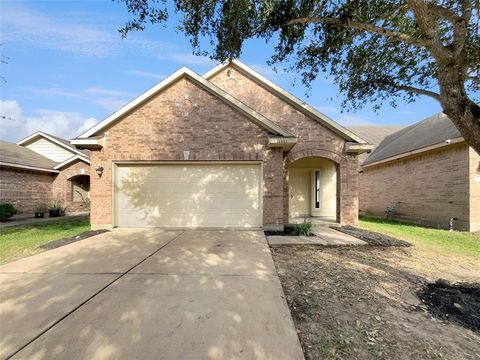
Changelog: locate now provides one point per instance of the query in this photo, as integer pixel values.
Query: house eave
(89, 143)
(27, 167)
(355, 148)
(414, 152)
(72, 159)
(281, 142)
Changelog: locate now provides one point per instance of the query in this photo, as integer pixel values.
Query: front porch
(312, 191)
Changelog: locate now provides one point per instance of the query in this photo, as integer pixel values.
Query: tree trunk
(463, 112)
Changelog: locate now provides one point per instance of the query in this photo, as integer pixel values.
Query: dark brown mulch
(371, 237)
(287, 231)
(65, 241)
(459, 303)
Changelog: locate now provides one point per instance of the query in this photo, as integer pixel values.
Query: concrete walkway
(323, 236)
(148, 294)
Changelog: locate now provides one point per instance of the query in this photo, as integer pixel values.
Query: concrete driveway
(148, 294)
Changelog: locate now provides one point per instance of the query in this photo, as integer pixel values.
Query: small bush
(303, 229)
(6, 211)
(55, 205)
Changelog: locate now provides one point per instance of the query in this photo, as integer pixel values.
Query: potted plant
(40, 212)
(54, 208)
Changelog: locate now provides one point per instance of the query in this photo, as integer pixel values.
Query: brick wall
(432, 187)
(185, 117)
(25, 189)
(313, 139)
(62, 186)
(474, 176)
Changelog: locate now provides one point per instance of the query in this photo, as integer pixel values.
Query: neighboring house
(227, 149)
(426, 174)
(373, 134)
(41, 168)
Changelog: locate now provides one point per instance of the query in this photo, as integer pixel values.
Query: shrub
(55, 205)
(40, 209)
(6, 211)
(303, 229)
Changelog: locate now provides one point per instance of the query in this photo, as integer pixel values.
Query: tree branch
(417, 91)
(396, 35)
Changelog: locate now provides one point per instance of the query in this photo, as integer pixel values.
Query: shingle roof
(431, 131)
(19, 155)
(374, 134)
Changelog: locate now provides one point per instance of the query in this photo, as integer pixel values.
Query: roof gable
(287, 97)
(199, 81)
(62, 144)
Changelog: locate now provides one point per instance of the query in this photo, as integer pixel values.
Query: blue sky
(68, 68)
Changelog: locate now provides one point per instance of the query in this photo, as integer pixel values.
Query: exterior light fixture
(99, 170)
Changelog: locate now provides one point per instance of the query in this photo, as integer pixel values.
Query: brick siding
(432, 187)
(25, 189)
(62, 185)
(186, 117)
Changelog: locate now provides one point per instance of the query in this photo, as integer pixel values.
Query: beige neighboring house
(229, 149)
(41, 168)
(426, 174)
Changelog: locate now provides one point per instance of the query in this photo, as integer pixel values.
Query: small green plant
(55, 205)
(7, 211)
(40, 209)
(303, 229)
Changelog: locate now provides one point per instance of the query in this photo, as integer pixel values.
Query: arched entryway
(312, 189)
(78, 196)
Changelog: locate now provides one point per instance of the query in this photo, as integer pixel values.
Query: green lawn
(23, 240)
(441, 240)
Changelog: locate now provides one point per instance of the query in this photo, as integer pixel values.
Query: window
(317, 189)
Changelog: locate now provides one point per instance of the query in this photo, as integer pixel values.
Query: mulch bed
(65, 241)
(371, 237)
(459, 303)
(287, 231)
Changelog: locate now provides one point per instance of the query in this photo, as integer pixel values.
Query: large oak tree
(376, 50)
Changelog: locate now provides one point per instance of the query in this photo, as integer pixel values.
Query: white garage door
(187, 195)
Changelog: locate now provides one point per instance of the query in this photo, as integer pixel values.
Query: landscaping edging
(65, 241)
(371, 237)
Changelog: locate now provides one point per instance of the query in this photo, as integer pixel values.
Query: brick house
(41, 168)
(227, 149)
(426, 173)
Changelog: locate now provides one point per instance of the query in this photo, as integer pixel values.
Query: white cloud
(16, 126)
(149, 74)
(68, 33)
(21, 24)
(109, 99)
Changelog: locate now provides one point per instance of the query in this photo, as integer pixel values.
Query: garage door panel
(194, 195)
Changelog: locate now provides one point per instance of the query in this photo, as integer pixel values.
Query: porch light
(99, 170)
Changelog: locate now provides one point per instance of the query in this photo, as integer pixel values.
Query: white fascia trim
(352, 147)
(205, 84)
(88, 142)
(28, 167)
(42, 134)
(415, 152)
(283, 142)
(68, 161)
(291, 99)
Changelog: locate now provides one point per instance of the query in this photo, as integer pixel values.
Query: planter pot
(39, 215)
(54, 213)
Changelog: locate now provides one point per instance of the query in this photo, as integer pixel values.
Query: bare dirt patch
(362, 303)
